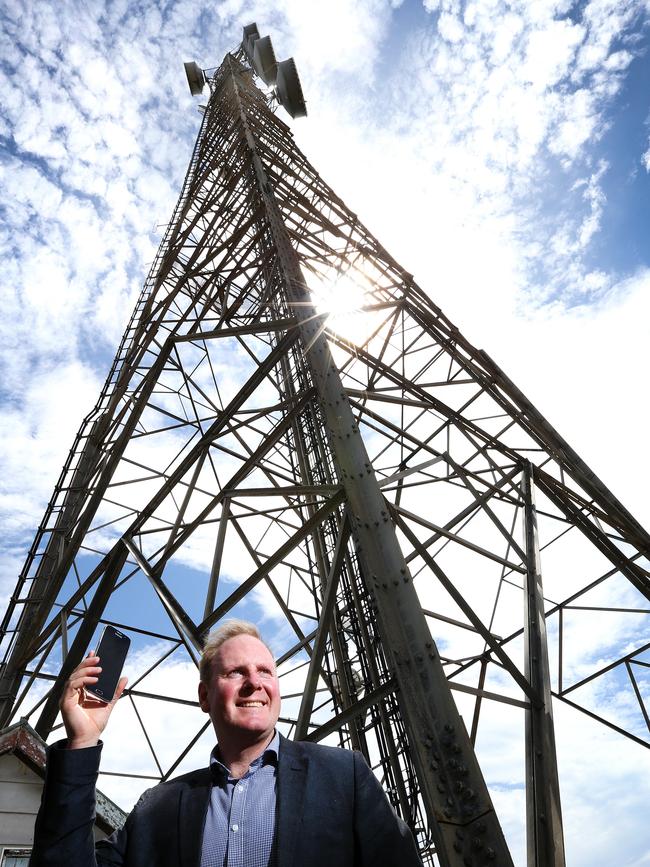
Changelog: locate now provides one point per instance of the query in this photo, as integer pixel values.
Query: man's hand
(84, 716)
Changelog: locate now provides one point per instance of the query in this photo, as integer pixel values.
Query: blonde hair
(228, 629)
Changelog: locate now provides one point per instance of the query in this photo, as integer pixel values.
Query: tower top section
(281, 76)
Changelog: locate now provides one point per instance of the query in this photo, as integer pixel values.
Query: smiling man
(239, 689)
(264, 801)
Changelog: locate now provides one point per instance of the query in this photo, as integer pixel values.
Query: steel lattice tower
(384, 491)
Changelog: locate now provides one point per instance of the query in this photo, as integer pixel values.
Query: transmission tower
(415, 534)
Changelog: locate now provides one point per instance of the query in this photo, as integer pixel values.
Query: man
(263, 802)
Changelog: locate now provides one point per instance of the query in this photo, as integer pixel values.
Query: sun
(342, 299)
(339, 297)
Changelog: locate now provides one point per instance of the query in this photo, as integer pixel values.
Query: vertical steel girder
(353, 480)
(543, 809)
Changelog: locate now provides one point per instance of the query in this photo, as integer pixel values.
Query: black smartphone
(111, 650)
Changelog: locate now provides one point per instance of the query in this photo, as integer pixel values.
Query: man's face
(243, 693)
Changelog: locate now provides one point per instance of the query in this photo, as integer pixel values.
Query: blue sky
(500, 151)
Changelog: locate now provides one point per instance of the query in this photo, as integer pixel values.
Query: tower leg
(545, 838)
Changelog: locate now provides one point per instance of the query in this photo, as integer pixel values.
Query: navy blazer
(330, 810)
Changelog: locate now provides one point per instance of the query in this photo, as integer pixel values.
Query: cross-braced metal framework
(370, 483)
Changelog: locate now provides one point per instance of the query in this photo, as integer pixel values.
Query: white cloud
(550, 50)
(645, 159)
(450, 28)
(37, 430)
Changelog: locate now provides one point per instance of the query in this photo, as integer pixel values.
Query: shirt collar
(220, 773)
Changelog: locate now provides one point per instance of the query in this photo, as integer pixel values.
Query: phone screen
(111, 650)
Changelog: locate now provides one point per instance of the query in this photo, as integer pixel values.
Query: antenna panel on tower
(289, 89)
(195, 78)
(251, 35)
(264, 62)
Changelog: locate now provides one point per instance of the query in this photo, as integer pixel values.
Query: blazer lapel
(293, 766)
(191, 816)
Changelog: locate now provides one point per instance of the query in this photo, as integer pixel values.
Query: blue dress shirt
(240, 823)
